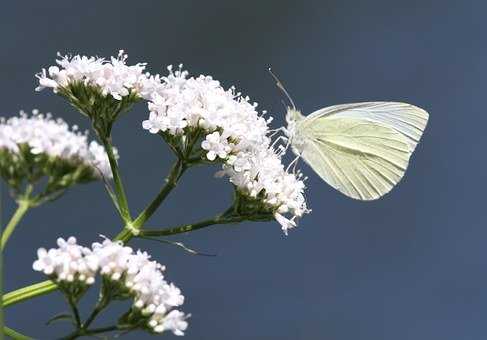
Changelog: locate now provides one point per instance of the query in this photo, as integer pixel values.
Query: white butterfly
(360, 149)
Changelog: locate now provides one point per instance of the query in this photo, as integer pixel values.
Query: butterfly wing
(407, 119)
(361, 157)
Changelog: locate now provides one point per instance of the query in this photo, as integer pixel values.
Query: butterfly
(360, 149)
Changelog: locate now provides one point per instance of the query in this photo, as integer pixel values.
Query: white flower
(217, 146)
(53, 137)
(68, 262)
(46, 261)
(202, 102)
(262, 171)
(112, 258)
(284, 222)
(143, 277)
(235, 133)
(174, 321)
(155, 123)
(114, 77)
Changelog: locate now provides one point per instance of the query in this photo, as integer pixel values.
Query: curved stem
(22, 208)
(117, 180)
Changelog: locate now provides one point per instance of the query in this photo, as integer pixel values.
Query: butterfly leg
(276, 131)
(280, 138)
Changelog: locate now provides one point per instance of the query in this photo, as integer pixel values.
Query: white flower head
(234, 134)
(68, 263)
(217, 146)
(53, 137)
(202, 102)
(113, 76)
(141, 276)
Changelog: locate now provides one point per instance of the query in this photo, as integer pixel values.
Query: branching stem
(133, 228)
(219, 219)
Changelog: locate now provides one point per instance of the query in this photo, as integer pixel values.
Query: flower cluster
(143, 279)
(234, 133)
(98, 88)
(44, 135)
(68, 262)
(113, 77)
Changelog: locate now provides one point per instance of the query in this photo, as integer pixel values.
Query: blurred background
(412, 265)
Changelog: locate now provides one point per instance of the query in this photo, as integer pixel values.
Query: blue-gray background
(412, 265)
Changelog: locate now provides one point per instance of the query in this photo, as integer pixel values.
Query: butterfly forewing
(407, 119)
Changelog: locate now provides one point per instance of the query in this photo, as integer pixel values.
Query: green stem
(102, 330)
(14, 334)
(171, 181)
(22, 208)
(220, 219)
(100, 306)
(49, 286)
(117, 180)
(74, 310)
(82, 332)
(28, 292)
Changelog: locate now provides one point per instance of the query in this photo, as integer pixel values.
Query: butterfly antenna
(282, 88)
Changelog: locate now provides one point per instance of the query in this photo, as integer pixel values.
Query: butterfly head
(293, 115)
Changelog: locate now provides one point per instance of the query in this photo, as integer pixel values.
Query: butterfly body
(296, 140)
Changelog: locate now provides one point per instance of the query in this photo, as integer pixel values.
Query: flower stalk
(86, 332)
(23, 205)
(171, 181)
(122, 202)
(219, 219)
